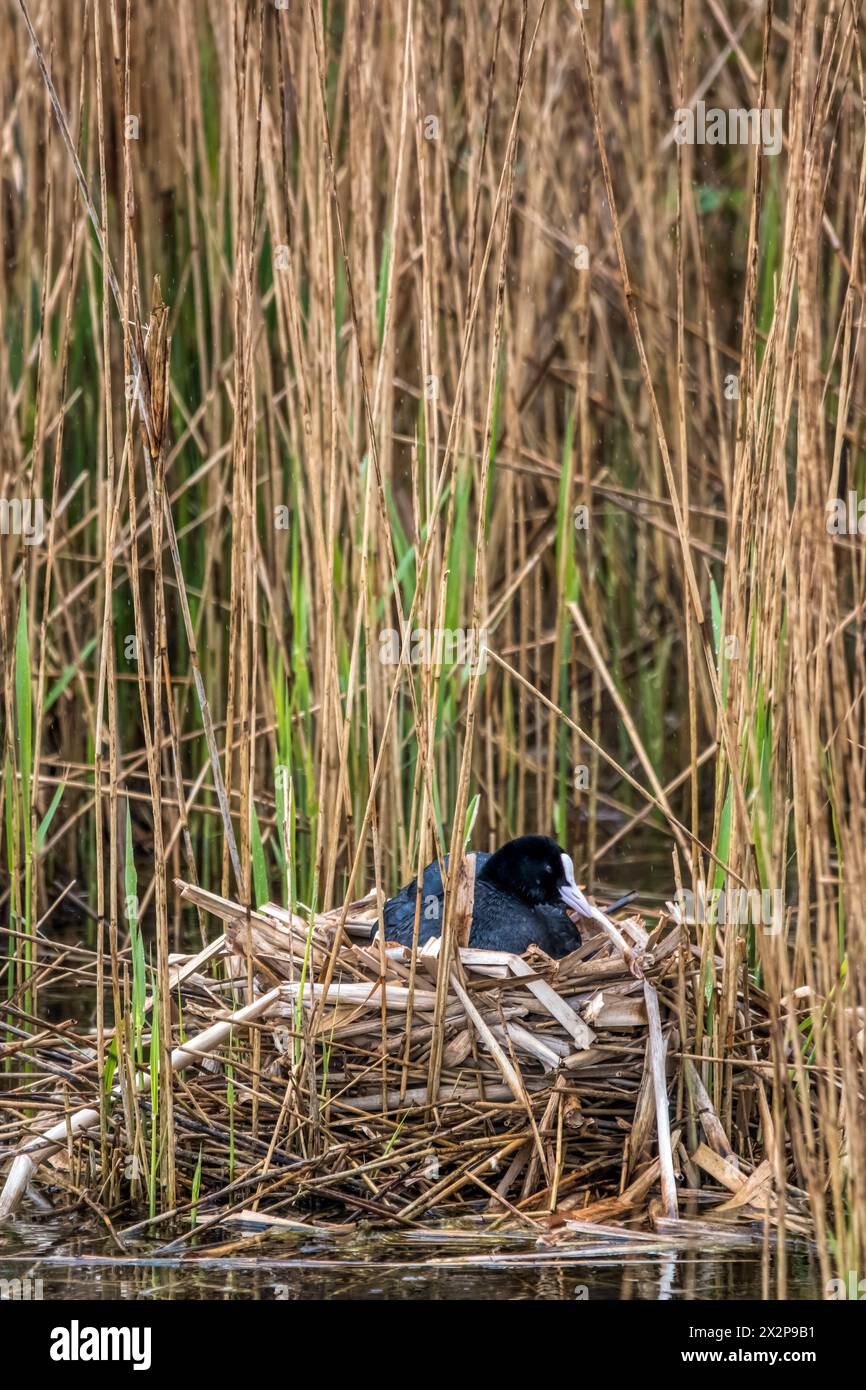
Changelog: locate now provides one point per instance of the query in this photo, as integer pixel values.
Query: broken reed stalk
(82, 1121)
(656, 1049)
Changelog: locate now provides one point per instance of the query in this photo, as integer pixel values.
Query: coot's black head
(535, 869)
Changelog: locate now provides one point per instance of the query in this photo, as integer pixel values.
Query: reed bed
(313, 1107)
(327, 327)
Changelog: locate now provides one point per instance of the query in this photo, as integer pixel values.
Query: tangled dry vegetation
(548, 1097)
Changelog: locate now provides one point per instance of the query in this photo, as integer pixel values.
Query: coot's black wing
(399, 911)
(561, 935)
(501, 922)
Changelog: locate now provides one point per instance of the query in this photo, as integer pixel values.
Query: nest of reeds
(319, 1067)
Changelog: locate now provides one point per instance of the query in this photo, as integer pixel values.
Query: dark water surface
(77, 1259)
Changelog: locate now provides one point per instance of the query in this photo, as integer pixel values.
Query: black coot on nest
(521, 895)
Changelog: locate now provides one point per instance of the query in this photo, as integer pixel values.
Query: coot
(521, 895)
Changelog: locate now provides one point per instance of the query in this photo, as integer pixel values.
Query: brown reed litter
(304, 1092)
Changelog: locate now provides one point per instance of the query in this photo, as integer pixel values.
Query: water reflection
(75, 1260)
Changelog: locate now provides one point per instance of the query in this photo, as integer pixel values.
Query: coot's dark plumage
(521, 893)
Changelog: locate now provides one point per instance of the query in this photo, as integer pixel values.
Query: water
(77, 1259)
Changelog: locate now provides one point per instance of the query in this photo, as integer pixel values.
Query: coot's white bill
(571, 894)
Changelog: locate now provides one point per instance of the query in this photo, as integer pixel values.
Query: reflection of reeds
(379, 390)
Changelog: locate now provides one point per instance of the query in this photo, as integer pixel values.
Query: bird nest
(320, 1068)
